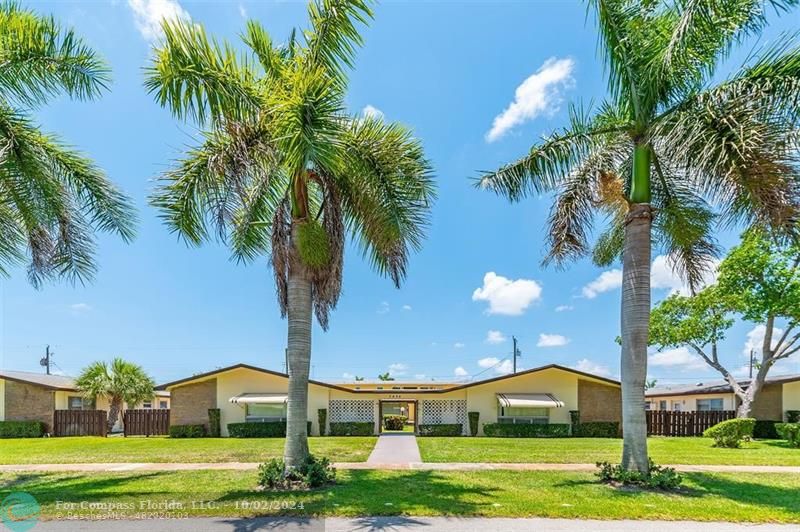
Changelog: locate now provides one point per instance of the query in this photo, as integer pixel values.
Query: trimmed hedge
(214, 422)
(260, 429)
(473, 423)
(514, 430)
(445, 429)
(187, 431)
(596, 429)
(22, 429)
(731, 432)
(322, 418)
(789, 432)
(765, 430)
(352, 428)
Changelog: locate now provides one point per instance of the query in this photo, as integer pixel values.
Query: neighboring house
(779, 394)
(246, 393)
(27, 396)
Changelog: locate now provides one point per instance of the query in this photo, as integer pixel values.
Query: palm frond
(334, 36)
(326, 282)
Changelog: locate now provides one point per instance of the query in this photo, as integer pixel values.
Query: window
(259, 412)
(676, 406)
(662, 405)
(648, 405)
(163, 405)
(147, 405)
(75, 402)
(708, 405)
(515, 414)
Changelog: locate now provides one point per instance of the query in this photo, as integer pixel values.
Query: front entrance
(394, 409)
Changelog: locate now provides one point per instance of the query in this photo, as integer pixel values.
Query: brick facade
(190, 403)
(769, 403)
(28, 402)
(599, 402)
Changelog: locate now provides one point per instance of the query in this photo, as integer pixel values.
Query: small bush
(765, 430)
(352, 428)
(519, 430)
(260, 429)
(793, 416)
(730, 433)
(473, 423)
(657, 477)
(394, 422)
(214, 422)
(22, 429)
(596, 429)
(322, 417)
(313, 473)
(789, 432)
(187, 431)
(445, 429)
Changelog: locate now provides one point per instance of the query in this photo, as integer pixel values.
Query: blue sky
(479, 82)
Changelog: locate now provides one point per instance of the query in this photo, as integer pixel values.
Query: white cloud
(460, 372)
(348, 376)
(506, 296)
(663, 276)
(495, 337)
(370, 111)
(678, 358)
(501, 368)
(148, 15)
(383, 308)
(459, 345)
(80, 307)
(552, 340)
(407, 307)
(420, 376)
(242, 11)
(398, 369)
(564, 308)
(609, 280)
(587, 366)
(541, 92)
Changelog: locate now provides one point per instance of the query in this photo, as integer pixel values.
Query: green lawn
(717, 497)
(162, 449)
(689, 451)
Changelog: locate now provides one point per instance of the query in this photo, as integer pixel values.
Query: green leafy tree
(52, 199)
(120, 382)
(285, 171)
(666, 155)
(760, 281)
(385, 377)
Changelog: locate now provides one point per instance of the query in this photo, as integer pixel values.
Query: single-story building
(779, 394)
(245, 393)
(28, 396)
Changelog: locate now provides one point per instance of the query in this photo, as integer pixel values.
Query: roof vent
(699, 384)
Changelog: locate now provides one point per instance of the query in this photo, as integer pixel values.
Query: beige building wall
(191, 401)
(599, 401)
(689, 402)
(2, 399)
(769, 403)
(791, 396)
(28, 402)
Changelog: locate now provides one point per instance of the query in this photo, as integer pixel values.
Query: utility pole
(46, 360)
(751, 363)
(516, 353)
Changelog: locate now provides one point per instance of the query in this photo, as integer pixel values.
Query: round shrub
(312, 473)
(789, 432)
(732, 432)
(394, 422)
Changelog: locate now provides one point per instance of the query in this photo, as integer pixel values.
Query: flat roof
(710, 387)
(53, 382)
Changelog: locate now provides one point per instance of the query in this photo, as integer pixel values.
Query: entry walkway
(393, 449)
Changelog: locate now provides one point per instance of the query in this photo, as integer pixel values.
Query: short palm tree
(667, 156)
(284, 171)
(120, 382)
(52, 199)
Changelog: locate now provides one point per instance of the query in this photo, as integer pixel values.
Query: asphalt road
(400, 524)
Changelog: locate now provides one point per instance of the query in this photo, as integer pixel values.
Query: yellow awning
(259, 398)
(529, 400)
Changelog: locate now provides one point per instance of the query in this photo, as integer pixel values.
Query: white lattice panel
(443, 412)
(348, 411)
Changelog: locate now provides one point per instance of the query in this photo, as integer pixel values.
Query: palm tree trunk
(635, 325)
(113, 412)
(299, 360)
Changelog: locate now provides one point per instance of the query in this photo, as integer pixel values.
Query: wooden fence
(79, 423)
(666, 423)
(146, 422)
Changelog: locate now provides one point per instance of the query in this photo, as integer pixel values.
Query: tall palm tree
(667, 156)
(52, 199)
(120, 382)
(284, 171)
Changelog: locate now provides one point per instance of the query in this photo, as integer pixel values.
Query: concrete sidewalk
(394, 449)
(399, 524)
(388, 456)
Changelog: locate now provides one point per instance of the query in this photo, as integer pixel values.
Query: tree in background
(52, 199)
(285, 171)
(385, 377)
(760, 281)
(666, 156)
(120, 382)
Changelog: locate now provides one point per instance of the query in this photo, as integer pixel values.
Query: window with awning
(526, 407)
(262, 406)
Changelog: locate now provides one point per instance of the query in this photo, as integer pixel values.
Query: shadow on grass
(51, 487)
